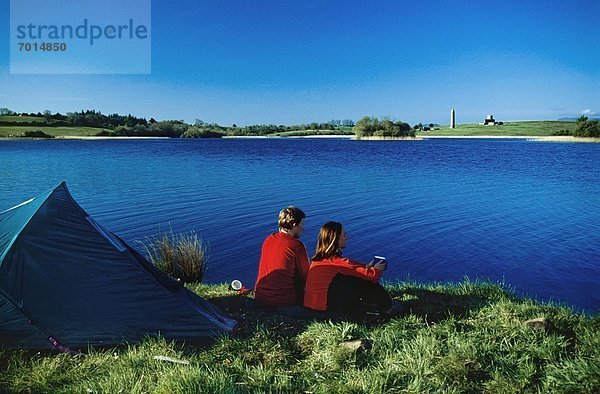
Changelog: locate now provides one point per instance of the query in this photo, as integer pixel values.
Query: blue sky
(292, 61)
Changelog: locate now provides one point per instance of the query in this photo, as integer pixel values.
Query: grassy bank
(306, 133)
(466, 337)
(528, 128)
(65, 131)
(22, 119)
(22, 124)
(59, 131)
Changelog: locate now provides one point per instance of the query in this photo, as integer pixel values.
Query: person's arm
(372, 273)
(302, 265)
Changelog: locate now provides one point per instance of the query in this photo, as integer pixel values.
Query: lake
(523, 213)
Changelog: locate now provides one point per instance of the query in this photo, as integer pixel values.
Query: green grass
(531, 128)
(308, 133)
(464, 337)
(22, 119)
(14, 131)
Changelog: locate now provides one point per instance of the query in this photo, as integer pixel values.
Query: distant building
(452, 119)
(490, 121)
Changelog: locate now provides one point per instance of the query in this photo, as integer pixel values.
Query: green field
(62, 131)
(467, 337)
(22, 119)
(305, 133)
(528, 128)
(17, 130)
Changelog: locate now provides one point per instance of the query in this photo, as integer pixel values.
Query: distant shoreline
(93, 137)
(565, 138)
(558, 131)
(557, 138)
(549, 138)
(348, 137)
(421, 137)
(340, 136)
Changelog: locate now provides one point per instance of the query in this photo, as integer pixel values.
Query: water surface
(523, 213)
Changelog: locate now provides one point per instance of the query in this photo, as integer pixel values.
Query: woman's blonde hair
(328, 241)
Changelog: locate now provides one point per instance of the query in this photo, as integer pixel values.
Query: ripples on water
(524, 213)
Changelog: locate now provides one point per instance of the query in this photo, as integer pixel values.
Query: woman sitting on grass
(338, 284)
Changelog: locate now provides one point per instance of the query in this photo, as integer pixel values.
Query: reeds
(183, 256)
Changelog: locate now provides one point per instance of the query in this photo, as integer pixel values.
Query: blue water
(523, 213)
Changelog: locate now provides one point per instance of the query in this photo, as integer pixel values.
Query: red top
(282, 271)
(321, 274)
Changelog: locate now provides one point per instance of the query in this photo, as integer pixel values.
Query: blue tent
(66, 282)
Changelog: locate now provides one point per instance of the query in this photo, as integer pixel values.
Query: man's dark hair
(290, 217)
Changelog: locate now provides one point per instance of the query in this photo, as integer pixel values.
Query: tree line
(587, 128)
(129, 125)
(373, 127)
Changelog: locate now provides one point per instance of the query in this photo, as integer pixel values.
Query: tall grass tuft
(182, 256)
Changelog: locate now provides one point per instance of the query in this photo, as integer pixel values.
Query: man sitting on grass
(283, 265)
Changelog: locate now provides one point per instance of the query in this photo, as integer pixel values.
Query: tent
(67, 283)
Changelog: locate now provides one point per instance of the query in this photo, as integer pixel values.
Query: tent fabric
(64, 277)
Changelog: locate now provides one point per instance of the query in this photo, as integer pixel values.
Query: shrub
(182, 256)
(368, 126)
(587, 128)
(36, 134)
(204, 132)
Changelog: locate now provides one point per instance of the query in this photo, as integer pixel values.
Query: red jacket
(282, 271)
(321, 274)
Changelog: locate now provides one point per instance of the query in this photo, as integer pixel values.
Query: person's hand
(370, 264)
(380, 265)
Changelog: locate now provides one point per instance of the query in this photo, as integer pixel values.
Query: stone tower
(452, 119)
